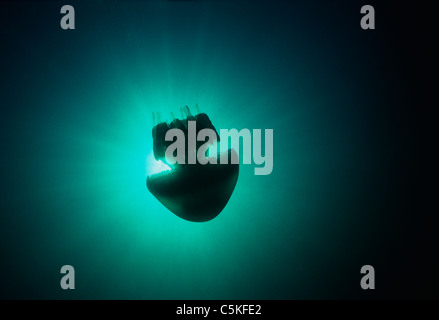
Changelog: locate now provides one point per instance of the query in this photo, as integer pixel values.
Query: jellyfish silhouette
(195, 192)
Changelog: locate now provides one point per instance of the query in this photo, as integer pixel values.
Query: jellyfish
(192, 191)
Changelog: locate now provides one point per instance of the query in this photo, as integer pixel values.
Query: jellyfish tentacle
(187, 111)
(197, 109)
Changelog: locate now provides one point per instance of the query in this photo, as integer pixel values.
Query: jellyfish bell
(193, 191)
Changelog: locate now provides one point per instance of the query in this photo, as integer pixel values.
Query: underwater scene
(335, 113)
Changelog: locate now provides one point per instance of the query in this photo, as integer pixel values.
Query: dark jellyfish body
(194, 192)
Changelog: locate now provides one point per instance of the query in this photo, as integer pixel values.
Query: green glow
(153, 166)
(86, 124)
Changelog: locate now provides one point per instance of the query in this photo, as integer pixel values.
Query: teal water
(78, 145)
